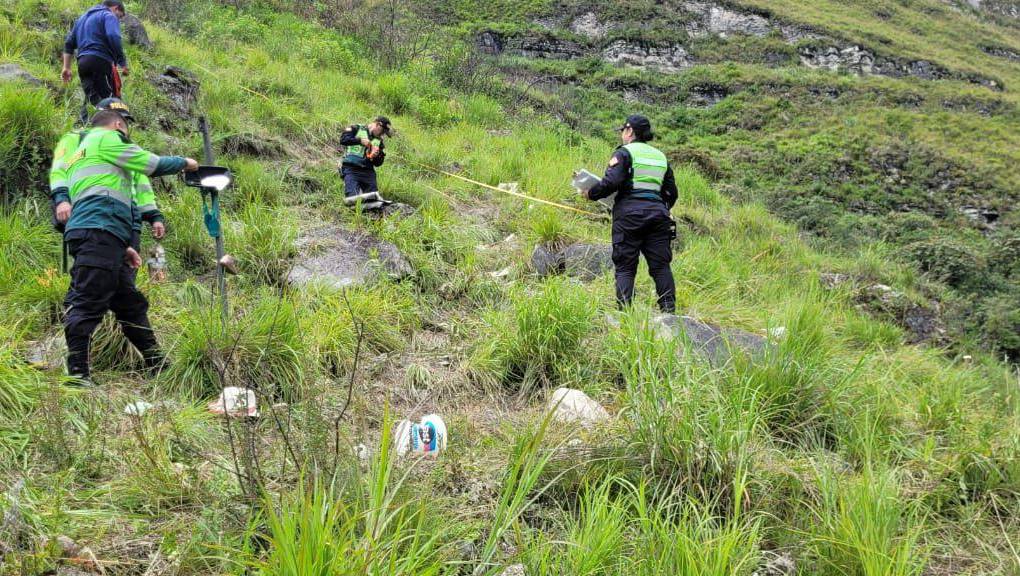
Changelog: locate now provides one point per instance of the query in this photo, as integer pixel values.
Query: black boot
(155, 362)
(78, 371)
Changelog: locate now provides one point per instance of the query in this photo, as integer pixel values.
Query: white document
(585, 180)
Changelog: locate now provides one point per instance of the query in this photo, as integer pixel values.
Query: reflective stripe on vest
(96, 170)
(101, 191)
(649, 165)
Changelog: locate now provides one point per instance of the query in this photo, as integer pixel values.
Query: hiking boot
(79, 381)
(155, 363)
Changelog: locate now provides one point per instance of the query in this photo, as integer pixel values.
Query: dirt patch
(338, 257)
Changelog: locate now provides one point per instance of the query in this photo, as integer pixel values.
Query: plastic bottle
(157, 264)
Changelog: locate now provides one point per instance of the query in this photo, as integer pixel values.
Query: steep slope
(841, 450)
(884, 124)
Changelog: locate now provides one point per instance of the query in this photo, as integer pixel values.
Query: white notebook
(585, 180)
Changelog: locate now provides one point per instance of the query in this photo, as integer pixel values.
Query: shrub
(1001, 329)
(265, 244)
(948, 260)
(29, 134)
(396, 93)
(434, 112)
(484, 111)
(539, 332)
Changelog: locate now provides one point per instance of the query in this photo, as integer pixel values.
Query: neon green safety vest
(143, 195)
(649, 165)
(101, 180)
(357, 151)
(66, 148)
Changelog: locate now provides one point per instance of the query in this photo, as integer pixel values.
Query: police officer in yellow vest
(645, 189)
(101, 233)
(362, 155)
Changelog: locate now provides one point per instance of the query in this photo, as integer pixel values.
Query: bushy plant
(527, 342)
(30, 131)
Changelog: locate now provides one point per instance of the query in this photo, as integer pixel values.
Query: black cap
(639, 123)
(385, 123)
(117, 105)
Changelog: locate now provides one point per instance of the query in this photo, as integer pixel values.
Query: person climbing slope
(95, 42)
(640, 176)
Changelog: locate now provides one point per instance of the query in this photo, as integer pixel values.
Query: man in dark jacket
(645, 189)
(95, 38)
(362, 155)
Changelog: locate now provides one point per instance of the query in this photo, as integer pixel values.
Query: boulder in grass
(337, 257)
(15, 73)
(714, 343)
(578, 260)
(576, 407)
(134, 31)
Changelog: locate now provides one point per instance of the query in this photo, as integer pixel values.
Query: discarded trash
(229, 263)
(569, 405)
(426, 438)
(777, 332)
(137, 408)
(235, 401)
(157, 264)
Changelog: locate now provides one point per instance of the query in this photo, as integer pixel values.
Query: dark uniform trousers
(101, 281)
(96, 77)
(643, 227)
(358, 180)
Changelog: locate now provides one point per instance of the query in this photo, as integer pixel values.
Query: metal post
(221, 279)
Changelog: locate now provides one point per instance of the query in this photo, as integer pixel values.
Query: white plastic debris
(569, 405)
(424, 438)
(235, 401)
(137, 408)
(777, 332)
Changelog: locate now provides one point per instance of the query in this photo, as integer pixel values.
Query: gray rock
(663, 57)
(777, 565)
(514, 570)
(588, 25)
(15, 73)
(490, 43)
(395, 209)
(248, 144)
(576, 407)
(587, 261)
(181, 87)
(723, 22)
(579, 260)
(134, 31)
(832, 280)
(713, 343)
(544, 261)
(337, 257)
(48, 353)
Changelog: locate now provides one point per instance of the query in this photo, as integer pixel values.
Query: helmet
(117, 105)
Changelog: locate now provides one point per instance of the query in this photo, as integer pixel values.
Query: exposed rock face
(1002, 52)
(15, 73)
(583, 261)
(247, 144)
(576, 407)
(724, 22)
(551, 48)
(862, 62)
(922, 321)
(665, 58)
(588, 25)
(852, 59)
(337, 257)
(713, 343)
(1007, 8)
(134, 31)
(181, 87)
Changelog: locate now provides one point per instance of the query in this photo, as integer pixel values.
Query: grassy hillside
(844, 449)
(919, 166)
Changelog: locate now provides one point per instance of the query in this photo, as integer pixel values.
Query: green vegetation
(842, 448)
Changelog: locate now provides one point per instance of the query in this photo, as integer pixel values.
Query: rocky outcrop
(863, 62)
(1007, 8)
(337, 257)
(589, 26)
(15, 73)
(181, 89)
(663, 57)
(135, 32)
(583, 261)
(713, 343)
(923, 322)
(1002, 52)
